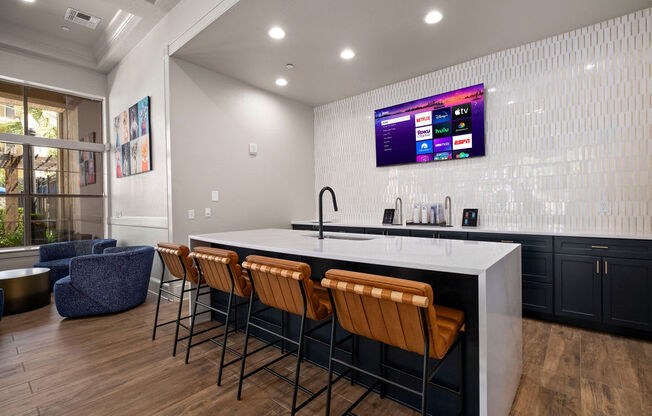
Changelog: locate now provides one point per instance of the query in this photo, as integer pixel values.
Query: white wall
(214, 118)
(577, 133)
(34, 69)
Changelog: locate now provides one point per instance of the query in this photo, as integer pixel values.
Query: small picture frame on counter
(388, 216)
(470, 217)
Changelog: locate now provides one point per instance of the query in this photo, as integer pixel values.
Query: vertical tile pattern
(579, 131)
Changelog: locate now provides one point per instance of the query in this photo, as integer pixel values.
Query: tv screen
(442, 127)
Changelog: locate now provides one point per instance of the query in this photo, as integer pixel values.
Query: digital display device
(442, 127)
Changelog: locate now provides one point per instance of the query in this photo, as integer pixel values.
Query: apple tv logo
(461, 111)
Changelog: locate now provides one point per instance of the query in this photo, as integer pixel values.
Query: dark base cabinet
(602, 284)
(537, 297)
(578, 287)
(627, 293)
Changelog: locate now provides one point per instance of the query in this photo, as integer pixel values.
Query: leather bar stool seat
(396, 312)
(175, 259)
(285, 285)
(219, 270)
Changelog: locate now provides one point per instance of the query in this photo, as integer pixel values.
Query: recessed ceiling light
(281, 82)
(65, 28)
(29, 1)
(276, 33)
(289, 66)
(433, 17)
(347, 54)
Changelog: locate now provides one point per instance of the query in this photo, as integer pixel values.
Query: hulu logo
(442, 130)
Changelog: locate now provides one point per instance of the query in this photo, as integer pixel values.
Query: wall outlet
(215, 196)
(191, 214)
(603, 207)
(253, 149)
(207, 212)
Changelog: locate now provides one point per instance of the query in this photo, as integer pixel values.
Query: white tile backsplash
(579, 131)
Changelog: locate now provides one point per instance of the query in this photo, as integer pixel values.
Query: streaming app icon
(464, 141)
(424, 147)
(441, 115)
(424, 158)
(442, 145)
(461, 111)
(461, 155)
(443, 156)
(423, 119)
(423, 133)
(441, 130)
(462, 126)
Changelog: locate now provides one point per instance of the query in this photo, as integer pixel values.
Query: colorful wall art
(132, 142)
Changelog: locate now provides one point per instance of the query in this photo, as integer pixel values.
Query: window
(51, 175)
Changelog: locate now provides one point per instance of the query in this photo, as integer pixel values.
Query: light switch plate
(603, 207)
(191, 214)
(207, 212)
(253, 149)
(215, 196)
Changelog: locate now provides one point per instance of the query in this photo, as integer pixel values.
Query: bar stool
(285, 285)
(175, 259)
(399, 313)
(219, 270)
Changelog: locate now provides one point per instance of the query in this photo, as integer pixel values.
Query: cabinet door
(537, 297)
(627, 293)
(537, 267)
(578, 287)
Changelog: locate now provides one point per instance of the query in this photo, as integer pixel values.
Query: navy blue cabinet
(627, 293)
(578, 287)
(537, 297)
(388, 231)
(435, 233)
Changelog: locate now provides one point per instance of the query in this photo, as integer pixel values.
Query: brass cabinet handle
(606, 267)
(597, 266)
(506, 241)
(600, 247)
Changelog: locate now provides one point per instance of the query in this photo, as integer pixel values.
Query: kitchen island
(481, 278)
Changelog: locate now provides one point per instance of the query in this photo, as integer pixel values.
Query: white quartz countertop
(452, 256)
(482, 229)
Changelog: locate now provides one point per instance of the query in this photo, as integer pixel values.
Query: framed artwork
(470, 217)
(132, 140)
(87, 163)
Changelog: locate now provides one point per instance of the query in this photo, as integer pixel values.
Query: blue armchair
(112, 282)
(57, 256)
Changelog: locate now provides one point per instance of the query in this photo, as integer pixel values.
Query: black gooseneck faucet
(321, 208)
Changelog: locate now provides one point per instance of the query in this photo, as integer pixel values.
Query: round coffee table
(25, 289)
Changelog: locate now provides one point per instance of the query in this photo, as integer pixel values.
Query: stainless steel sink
(342, 237)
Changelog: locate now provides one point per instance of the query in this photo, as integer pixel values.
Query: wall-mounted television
(442, 127)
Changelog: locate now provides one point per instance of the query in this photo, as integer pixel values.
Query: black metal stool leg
(331, 351)
(244, 353)
(176, 333)
(226, 334)
(193, 318)
(383, 372)
(158, 300)
(426, 360)
(299, 360)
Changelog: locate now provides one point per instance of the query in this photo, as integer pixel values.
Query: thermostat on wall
(253, 149)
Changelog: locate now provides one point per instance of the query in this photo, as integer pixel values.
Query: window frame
(29, 142)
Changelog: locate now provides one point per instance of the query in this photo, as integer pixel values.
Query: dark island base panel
(457, 291)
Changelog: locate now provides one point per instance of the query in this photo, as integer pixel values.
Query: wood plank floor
(109, 365)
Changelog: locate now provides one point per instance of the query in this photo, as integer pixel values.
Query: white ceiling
(36, 28)
(391, 40)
